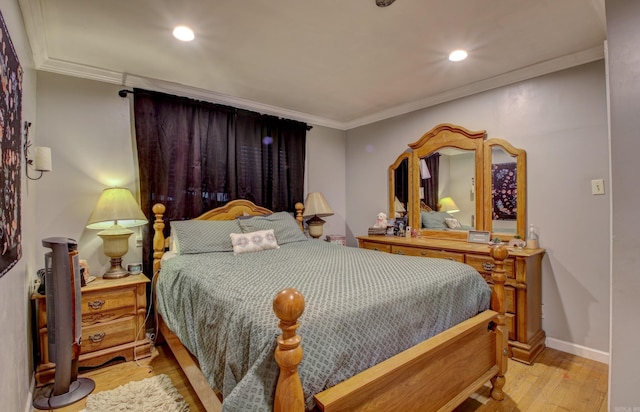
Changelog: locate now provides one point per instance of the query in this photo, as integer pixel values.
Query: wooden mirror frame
(447, 135)
(406, 155)
(520, 157)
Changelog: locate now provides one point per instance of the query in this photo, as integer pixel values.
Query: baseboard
(32, 388)
(574, 349)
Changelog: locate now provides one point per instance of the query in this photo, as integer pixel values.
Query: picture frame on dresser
(479, 236)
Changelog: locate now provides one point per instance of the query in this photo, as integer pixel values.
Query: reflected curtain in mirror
(429, 181)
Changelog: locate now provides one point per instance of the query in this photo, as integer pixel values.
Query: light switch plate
(597, 187)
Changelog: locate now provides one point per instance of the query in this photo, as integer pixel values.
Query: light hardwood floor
(557, 381)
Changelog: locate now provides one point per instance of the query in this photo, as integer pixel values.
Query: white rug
(148, 395)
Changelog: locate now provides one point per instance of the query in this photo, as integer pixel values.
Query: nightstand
(113, 324)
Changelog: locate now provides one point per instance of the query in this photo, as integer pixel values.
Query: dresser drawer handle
(96, 304)
(451, 259)
(97, 338)
(423, 253)
(399, 252)
(488, 265)
(376, 249)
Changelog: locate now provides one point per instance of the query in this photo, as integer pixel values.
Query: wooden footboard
(437, 374)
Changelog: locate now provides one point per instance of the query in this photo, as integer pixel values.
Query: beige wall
(561, 121)
(15, 356)
(623, 58)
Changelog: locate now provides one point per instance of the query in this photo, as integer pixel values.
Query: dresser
(522, 288)
(113, 317)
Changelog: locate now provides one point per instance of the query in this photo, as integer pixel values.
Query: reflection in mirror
(506, 175)
(447, 184)
(399, 177)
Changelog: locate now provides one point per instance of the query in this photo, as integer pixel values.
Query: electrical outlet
(139, 241)
(597, 187)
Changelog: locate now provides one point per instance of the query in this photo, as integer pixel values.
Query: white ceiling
(337, 63)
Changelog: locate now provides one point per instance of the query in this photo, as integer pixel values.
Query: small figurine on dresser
(380, 227)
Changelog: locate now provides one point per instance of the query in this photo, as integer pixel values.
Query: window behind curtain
(194, 156)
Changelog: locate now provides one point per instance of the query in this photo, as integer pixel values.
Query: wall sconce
(41, 160)
(316, 207)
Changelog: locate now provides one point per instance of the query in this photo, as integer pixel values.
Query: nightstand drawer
(107, 335)
(381, 247)
(484, 265)
(100, 301)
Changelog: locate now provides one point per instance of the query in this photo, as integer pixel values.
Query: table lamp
(315, 208)
(116, 211)
(448, 205)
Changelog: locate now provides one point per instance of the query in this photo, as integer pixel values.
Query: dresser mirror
(452, 165)
(505, 189)
(399, 178)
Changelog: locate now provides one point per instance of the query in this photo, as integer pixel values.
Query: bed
(428, 363)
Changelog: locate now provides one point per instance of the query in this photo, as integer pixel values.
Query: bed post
(299, 218)
(158, 236)
(499, 254)
(288, 306)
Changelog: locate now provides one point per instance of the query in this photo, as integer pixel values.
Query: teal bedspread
(362, 307)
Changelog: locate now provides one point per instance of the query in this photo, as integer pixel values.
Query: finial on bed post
(299, 218)
(158, 235)
(499, 253)
(288, 306)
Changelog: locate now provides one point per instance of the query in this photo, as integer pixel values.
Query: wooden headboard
(230, 211)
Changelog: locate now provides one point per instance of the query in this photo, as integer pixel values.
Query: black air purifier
(64, 323)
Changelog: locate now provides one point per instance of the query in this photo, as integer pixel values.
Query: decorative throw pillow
(453, 223)
(253, 241)
(434, 220)
(284, 226)
(202, 236)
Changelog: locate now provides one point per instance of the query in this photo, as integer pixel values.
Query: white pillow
(452, 223)
(253, 241)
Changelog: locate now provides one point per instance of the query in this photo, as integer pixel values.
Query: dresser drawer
(107, 335)
(484, 265)
(381, 247)
(414, 251)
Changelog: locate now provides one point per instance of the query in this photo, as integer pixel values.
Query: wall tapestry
(504, 191)
(10, 151)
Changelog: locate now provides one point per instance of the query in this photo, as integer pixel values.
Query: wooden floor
(557, 381)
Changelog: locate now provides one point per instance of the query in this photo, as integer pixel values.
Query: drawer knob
(423, 253)
(488, 265)
(97, 338)
(399, 252)
(96, 304)
(376, 249)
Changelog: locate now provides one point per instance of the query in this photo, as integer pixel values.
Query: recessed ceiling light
(457, 55)
(183, 33)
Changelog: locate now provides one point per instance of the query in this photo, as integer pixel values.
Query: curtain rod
(125, 92)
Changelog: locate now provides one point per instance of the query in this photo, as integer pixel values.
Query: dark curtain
(431, 185)
(194, 156)
(401, 182)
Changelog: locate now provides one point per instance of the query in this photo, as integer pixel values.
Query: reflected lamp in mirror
(448, 205)
(398, 208)
(315, 208)
(115, 212)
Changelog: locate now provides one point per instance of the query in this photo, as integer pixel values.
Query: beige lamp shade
(116, 210)
(448, 205)
(398, 206)
(316, 207)
(116, 205)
